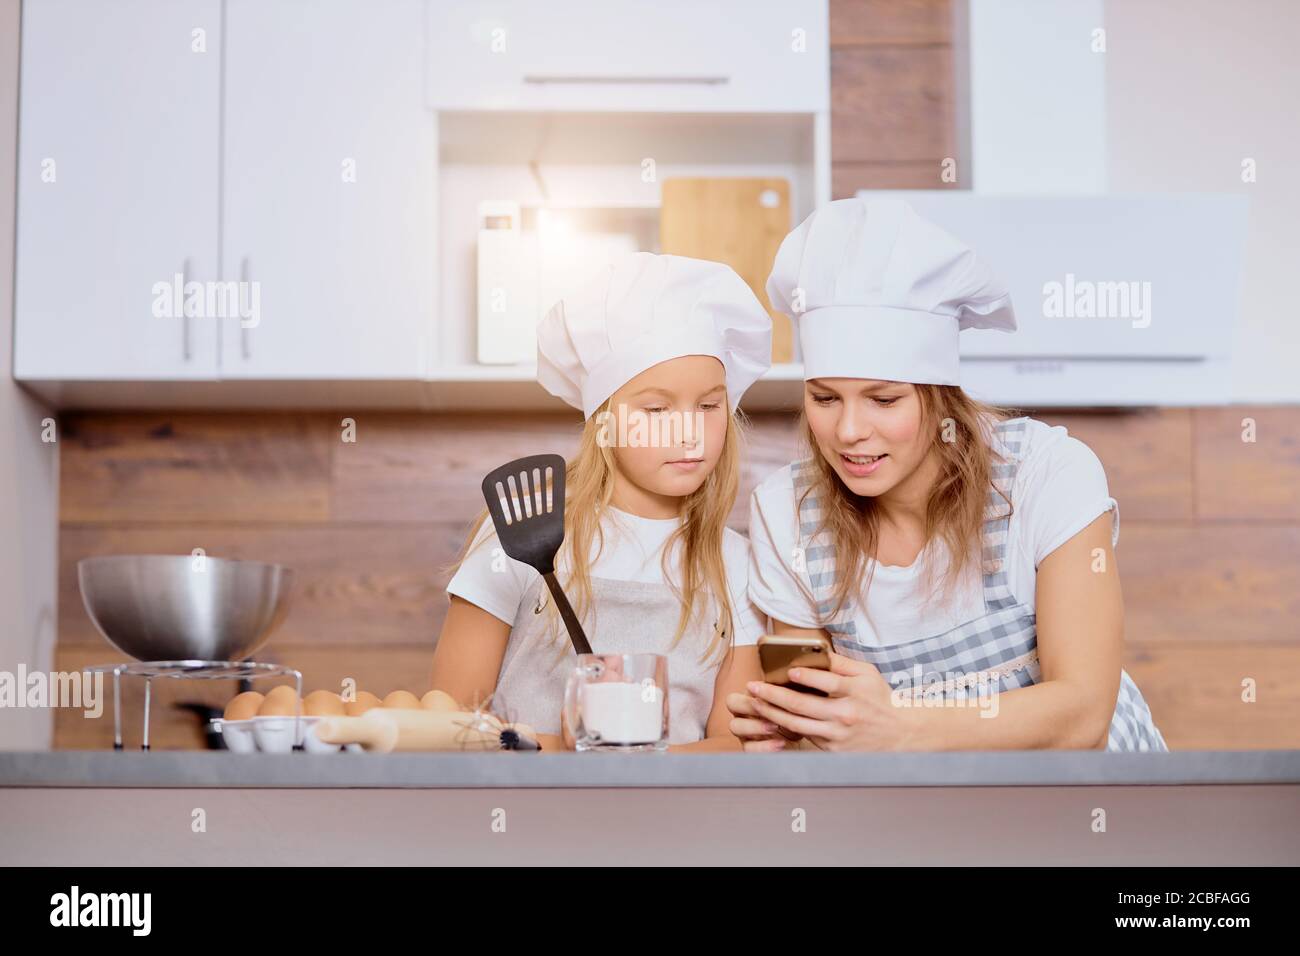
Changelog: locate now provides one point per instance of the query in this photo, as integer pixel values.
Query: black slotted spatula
(525, 498)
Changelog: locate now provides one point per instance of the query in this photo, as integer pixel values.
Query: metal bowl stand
(190, 670)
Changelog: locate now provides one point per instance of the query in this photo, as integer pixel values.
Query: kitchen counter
(76, 768)
(1183, 808)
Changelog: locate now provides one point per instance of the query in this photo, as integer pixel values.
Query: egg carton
(275, 735)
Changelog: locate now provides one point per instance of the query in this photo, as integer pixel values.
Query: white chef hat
(878, 292)
(645, 309)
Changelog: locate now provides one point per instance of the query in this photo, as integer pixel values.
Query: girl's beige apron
(630, 617)
(995, 652)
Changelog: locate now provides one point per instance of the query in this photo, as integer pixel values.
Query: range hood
(1121, 300)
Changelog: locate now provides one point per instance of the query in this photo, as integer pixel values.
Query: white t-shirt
(1059, 489)
(632, 551)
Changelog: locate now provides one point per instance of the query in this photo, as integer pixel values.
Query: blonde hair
(955, 508)
(589, 488)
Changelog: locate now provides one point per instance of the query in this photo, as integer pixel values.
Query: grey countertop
(204, 769)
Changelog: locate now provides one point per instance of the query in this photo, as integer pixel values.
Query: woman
(656, 353)
(960, 561)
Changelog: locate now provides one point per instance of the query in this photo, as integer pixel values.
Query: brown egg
(323, 703)
(280, 701)
(245, 705)
(439, 700)
(365, 701)
(403, 699)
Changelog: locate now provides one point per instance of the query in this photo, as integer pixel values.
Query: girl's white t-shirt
(632, 551)
(1059, 489)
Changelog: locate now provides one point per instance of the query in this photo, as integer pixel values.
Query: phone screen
(777, 659)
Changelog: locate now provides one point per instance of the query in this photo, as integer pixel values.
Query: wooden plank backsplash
(893, 95)
(1209, 550)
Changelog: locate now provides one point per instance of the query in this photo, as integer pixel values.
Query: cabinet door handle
(245, 334)
(186, 350)
(617, 80)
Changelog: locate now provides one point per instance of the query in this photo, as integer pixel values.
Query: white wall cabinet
(767, 56)
(117, 187)
(326, 153)
(330, 167)
(324, 194)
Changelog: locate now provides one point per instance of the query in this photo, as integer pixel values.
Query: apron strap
(819, 551)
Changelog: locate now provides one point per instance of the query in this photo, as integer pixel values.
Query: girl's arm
(470, 649)
(737, 670)
(467, 660)
(759, 735)
(472, 645)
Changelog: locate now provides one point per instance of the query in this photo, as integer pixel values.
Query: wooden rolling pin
(385, 729)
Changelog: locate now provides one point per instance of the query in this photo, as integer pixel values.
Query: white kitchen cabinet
(627, 55)
(117, 187)
(331, 154)
(330, 180)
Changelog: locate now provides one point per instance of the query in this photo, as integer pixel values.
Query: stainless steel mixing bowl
(160, 607)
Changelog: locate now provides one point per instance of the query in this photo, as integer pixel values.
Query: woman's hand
(857, 714)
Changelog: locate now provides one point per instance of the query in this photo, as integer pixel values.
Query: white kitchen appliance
(528, 259)
(1121, 300)
(507, 286)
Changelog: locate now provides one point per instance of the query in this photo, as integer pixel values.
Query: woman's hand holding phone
(856, 713)
(777, 654)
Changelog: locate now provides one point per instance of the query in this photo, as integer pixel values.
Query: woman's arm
(1080, 620)
(737, 670)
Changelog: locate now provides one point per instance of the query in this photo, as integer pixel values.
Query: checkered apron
(994, 652)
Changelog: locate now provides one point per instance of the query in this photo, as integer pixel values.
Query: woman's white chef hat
(645, 309)
(878, 292)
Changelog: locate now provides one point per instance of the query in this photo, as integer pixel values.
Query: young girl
(658, 346)
(960, 561)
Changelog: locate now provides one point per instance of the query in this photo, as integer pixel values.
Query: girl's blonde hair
(700, 583)
(954, 516)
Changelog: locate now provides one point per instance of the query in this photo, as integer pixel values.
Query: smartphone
(777, 653)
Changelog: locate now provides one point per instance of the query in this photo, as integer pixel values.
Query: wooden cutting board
(737, 221)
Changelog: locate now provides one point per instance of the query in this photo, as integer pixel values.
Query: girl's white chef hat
(645, 309)
(878, 292)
